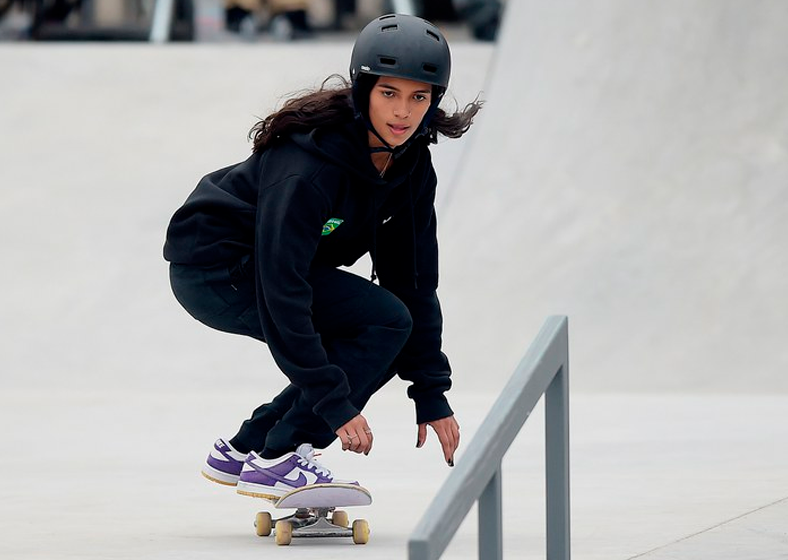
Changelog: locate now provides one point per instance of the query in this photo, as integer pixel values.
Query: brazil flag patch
(331, 225)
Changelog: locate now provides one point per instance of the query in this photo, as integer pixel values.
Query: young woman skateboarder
(256, 249)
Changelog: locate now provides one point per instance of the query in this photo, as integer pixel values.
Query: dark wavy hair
(332, 104)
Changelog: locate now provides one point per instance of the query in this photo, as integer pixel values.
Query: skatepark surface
(629, 170)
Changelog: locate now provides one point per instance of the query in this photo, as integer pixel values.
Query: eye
(387, 93)
(420, 97)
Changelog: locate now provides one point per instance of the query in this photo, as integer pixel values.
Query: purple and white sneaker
(272, 479)
(224, 464)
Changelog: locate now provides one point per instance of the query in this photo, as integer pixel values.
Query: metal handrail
(477, 477)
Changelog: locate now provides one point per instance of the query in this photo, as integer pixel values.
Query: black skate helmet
(400, 46)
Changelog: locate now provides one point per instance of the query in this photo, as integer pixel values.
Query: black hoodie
(316, 199)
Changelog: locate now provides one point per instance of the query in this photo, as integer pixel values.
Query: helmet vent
(389, 28)
(430, 68)
(387, 61)
(433, 35)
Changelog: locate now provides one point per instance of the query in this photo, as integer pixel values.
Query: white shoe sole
(259, 491)
(218, 476)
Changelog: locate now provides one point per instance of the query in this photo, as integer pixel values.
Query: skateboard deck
(317, 514)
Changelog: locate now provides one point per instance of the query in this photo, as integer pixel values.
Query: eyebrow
(389, 86)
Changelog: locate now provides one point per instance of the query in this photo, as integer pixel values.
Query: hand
(448, 432)
(356, 436)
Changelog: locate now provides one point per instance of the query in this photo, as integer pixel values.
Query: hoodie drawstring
(413, 233)
(373, 252)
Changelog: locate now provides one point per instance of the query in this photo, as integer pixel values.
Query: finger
(364, 441)
(371, 439)
(454, 431)
(447, 444)
(367, 433)
(348, 434)
(360, 441)
(456, 436)
(364, 436)
(451, 436)
(355, 442)
(448, 435)
(421, 435)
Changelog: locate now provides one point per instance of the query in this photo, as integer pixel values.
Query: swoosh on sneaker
(299, 482)
(271, 473)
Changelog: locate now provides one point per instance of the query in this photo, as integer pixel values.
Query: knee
(399, 318)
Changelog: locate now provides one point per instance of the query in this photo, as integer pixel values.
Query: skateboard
(316, 514)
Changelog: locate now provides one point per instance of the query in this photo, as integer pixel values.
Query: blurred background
(225, 20)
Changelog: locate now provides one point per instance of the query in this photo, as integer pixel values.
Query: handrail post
(491, 519)
(557, 466)
(543, 371)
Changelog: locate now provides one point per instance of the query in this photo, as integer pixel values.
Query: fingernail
(450, 462)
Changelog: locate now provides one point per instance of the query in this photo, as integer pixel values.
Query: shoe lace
(310, 463)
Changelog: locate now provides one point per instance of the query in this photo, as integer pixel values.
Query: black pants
(362, 326)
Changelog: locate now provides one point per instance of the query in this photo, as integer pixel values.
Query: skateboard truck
(310, 523)
(316, 514)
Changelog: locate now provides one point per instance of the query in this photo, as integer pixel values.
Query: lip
(398, 130)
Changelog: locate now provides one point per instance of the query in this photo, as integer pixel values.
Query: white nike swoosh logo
(301, 478)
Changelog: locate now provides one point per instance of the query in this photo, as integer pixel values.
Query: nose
(402, 110)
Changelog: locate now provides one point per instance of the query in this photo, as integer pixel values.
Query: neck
(382, 161)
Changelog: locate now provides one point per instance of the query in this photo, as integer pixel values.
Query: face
(396, 108)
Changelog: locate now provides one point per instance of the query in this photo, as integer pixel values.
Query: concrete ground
(628, 171)
(657, 477)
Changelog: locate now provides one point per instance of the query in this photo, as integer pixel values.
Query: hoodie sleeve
(290, 216)
(409, 269)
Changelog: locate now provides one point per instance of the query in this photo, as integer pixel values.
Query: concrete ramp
(630, 170)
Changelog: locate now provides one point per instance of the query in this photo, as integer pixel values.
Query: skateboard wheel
(360, 531)
(340, 518)
(284, 532)
(262, 524)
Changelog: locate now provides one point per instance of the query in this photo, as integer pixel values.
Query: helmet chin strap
(386, 147)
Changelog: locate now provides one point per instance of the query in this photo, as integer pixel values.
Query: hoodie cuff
(432, 408)
(337, 414)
